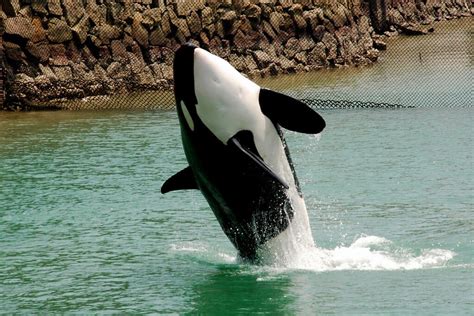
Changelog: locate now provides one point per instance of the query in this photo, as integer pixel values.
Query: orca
(237, 154)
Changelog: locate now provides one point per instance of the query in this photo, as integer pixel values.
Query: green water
(390, 193)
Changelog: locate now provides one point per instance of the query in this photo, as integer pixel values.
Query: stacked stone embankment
(2, 87)
(2, 70)
(66, 49)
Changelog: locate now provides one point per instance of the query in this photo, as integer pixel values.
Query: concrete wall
(58, 49)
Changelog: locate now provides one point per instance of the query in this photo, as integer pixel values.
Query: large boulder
(54, 7)
(38, 50)
(11, 7)
(296, 12)
(276, 20)
(119, 51)
(58, 55)
(292, 47)
(263, 59)
(194, 23)
(166, 23)
(338, 15)
(96, 13)
(63, 73)
(39, 33)
(243, 41)
(59, 31)
(157, 37)
(81, 29)
(331, 45)
(307, 43)
(394, 17)
(312, 17)
(13, 51)
(19, 26)
(185, 7)
(318, 55)
(106, 32)
(207, 16)
(74, 11)
(152, 16)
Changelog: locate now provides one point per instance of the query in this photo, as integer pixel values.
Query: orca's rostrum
(237, 154)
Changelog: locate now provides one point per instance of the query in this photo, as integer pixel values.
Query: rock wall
(57, 49)
(2, 70)
(2, 87)
(406, 15)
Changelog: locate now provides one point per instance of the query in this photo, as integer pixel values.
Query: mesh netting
(97, 55)
(345, 104)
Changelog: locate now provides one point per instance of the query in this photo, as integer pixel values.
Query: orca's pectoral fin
(183, 180)
(234, 142)
(290, 113)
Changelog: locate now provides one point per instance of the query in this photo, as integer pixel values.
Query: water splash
(366, 253)
(369, 253)
(205, 253)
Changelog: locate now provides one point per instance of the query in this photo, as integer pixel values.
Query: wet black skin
(248, 199)
(250, 205)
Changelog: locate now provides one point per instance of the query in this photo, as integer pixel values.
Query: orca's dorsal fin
(183, 180)
(290, 113)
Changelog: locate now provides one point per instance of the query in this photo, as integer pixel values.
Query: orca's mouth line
(344, 104)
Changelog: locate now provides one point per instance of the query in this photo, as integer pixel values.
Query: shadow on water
(231, 289)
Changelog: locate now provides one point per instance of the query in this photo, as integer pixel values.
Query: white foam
(204, 252)
(189, 247)
(366, 253)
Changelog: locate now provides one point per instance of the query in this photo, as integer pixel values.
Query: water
(389, 193)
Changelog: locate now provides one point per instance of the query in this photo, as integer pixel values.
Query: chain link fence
(97, 54)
